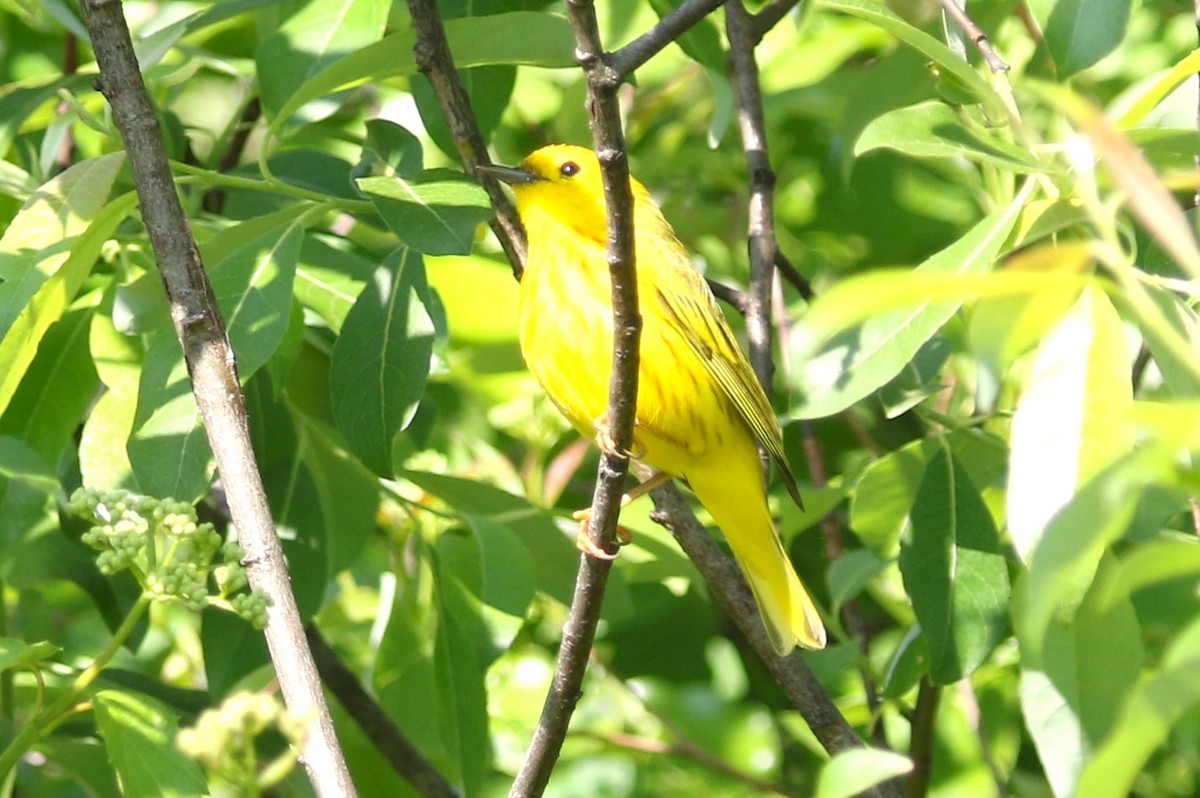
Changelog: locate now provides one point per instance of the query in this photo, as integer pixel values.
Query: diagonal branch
(771, 15)
(624, 62)
(976, 35)
(387, 738)
(213, 371)
(432, 54)
(580, 629)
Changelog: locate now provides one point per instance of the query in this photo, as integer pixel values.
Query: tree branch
(624, 62)
(733, 596)
(771, 15)
(743, 69)
(976, 35)
(580, 630)
(432, 55)
(923, 728)
(726, 293)
(387, 738)
(212, 367)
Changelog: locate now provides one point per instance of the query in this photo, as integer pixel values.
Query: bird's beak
(514, 176)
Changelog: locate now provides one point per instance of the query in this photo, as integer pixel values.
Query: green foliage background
(1000, 367)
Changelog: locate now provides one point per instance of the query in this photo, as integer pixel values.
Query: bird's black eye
(569, 169)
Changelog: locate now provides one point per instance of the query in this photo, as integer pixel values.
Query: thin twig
(732, 595)
(976, 35)
(793, 276)
(686, 749)
(739, 300)
(432, 55)
(770, 15)
(921, 748)
(743, 71)
(213, 371)
(387, 738)
(578, 633)
(66, 150)
(214, 199)
(624, 62)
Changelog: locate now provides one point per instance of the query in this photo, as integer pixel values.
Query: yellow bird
(700, 413)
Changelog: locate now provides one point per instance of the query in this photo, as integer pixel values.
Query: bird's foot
(584, 542)
(608, 445)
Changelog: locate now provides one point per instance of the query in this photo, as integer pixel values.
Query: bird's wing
(699, 320)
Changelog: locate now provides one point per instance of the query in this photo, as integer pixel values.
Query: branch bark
(387, 738)
(624, 62)
(976, 35)
(210, 360)
(432, 55)
(604, 118)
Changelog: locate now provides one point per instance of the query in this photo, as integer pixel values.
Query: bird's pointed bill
(512, 175)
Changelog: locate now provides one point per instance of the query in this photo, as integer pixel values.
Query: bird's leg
(604, 440)
(583, 540)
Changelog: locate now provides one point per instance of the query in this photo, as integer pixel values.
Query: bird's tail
(740, 509)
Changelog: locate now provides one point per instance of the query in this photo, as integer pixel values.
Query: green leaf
(330, 277)
(954, 570)
(436, 213)
(1158, 704)
(19, 462)
(936, 130)
(918, 380)
(1062, 566)
(490, 90)
(1078, 33)
(394, 147)
(939, 53)
(59, 386)
(853, 772)
(139, 734)
(887, 489)
(1179, 376)
(319, 34)
(253, 286)
(233, 649)
(520, 37)
(850, 574)
(835, 367)
(429, 681)
(1075, 679)
(1074, 416)
(168, 449)
(19, 654)
(45, 254)
(103, 460)
(381, 360)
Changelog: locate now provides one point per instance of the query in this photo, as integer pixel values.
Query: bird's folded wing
(709, 337)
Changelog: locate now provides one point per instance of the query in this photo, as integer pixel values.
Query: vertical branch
(213, 371)
(580, 630)
(432, 55)
(743, 69)
(732, 595)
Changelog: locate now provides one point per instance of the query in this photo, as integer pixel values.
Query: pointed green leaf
(848, 365)
(1074, 681)
(253, 286)
(45, 254)
(139, 734)
(1074, 416)
(857, 770)
(935, 130)
(436, 213)
(19, 654)
(168, 449)
(532, 38)
(939, 53)
(1078, 33)
(319, 34)
(954, 570)
(381, 360)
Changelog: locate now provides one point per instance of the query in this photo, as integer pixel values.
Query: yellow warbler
(700, 409)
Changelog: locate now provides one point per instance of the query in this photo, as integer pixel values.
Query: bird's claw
(584, 542)
(606, 443)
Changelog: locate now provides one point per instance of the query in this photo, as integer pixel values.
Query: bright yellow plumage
(700, 410)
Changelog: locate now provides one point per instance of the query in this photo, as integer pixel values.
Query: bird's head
(561, 181)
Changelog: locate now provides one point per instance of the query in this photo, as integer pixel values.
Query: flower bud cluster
(164, 545)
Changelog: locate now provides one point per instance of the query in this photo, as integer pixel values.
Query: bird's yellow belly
(568, 347)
